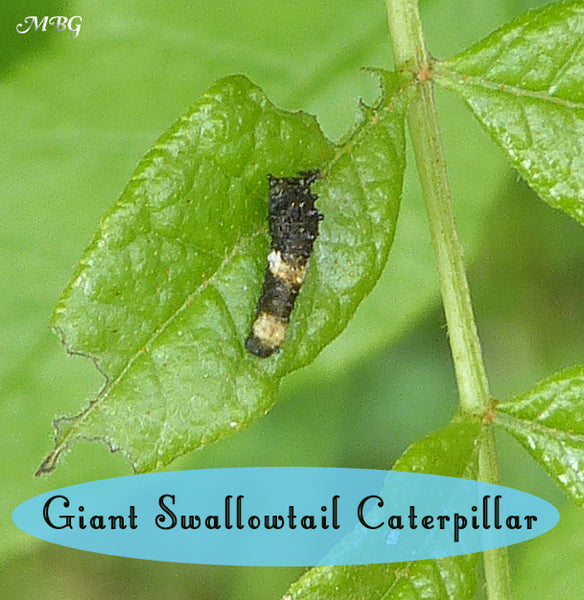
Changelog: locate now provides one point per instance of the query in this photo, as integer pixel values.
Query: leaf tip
(50, 461)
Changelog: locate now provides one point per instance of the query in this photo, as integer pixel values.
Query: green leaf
(548, 421)
(164, 297)
(450, 452)
(525, 84)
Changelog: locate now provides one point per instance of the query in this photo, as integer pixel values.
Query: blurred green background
(77, 116)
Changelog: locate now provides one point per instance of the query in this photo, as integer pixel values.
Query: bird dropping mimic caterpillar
(293, 223)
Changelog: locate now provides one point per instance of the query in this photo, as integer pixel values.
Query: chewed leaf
(548, 421)
(525, 84)
(164, 298)
(450, 452)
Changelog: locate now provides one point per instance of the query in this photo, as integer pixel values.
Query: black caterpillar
(293, 221)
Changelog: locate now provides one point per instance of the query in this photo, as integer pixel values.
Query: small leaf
(164, 297)
(450, 452)
(525, 84)
(548, 421)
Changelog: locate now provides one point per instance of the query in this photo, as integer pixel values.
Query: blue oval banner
(285, 516)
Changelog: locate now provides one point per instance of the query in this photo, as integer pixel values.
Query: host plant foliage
(163, 298)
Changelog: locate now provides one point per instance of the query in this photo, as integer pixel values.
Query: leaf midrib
(455, 80)
(506, 420)
(111, 384)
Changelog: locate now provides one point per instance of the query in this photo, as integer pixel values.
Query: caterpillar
(293, 222)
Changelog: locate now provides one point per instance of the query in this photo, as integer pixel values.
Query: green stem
(495, 562)
(411, 56)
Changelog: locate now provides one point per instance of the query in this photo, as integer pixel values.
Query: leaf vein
(570, 60)
(459, 81)
(507, 421)
(111, 384)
